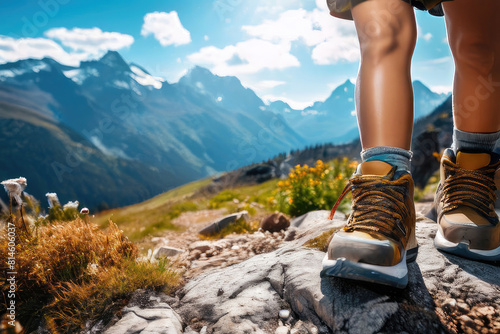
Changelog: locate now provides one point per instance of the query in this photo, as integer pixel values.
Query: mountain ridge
(200, 126)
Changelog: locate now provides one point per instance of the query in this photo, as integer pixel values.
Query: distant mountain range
(334, 120)
(110, 134)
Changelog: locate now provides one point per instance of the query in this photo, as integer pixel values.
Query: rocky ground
(269, 283)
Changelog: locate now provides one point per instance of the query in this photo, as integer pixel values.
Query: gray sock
(394, 156)
(474, 142)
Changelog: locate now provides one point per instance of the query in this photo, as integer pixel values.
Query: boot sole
(462, 249)
(395, 276)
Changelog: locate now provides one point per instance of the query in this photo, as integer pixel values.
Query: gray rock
(282, 330)
(147, 313)
(217, 226)
(189, 330)
(255, 290)
(166, 251)
(201, 246)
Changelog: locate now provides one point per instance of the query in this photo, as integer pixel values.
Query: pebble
(281, 330)
(284, 314)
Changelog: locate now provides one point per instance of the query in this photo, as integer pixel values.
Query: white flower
(22, 182)
(53, 200)
(71, 205)
(15, 187)
(93, 268)
(84, 211)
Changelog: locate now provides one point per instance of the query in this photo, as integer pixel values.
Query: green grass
(154, 216)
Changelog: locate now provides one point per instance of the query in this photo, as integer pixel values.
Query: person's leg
(464, 206)
(474, 38)
(384, 98)
(379, 237)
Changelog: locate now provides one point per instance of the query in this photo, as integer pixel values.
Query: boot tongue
(473, 161)
(375, 167)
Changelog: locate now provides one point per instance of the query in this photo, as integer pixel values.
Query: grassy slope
(149, 218)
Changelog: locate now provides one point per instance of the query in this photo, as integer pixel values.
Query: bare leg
(474, 37)
(384, 98)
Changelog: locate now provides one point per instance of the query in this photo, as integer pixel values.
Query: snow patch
(115, 152)
(78, 75)
(145, 79)
(121, 84)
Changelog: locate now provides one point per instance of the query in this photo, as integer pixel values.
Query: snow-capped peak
(145, 79)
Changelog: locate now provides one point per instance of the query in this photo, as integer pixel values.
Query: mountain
(334, 120)
(55, 158)
(202, 125)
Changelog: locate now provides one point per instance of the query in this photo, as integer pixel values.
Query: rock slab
(247, 297)
(147, 313)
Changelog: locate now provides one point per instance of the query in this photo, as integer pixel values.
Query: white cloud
(206, 38)
(333, 40)
(12, 49)
(92, 41)
(250, 56)
(83, 44)
(426, 37)
(442, 89)
(267, 84)
(438, 61)
(166, 28)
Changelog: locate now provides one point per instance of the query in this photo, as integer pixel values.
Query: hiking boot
(464, 206)
(379, 237)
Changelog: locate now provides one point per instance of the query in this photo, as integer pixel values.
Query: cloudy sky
(283, 49)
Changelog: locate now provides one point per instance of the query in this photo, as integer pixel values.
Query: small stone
(195, 254)
(485, 311)
(275, 222)
(284, 314)
(479, 323)
(235, 247)
(281, 330)
(166, 252)
(449, 303)
(463, 307)
(202, 246)
(466, 320)
(204, 330)
(220, 292)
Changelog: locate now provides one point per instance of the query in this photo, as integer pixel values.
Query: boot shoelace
(471, 188)
(378, 205)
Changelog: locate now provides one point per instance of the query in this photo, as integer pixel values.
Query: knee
(382, 39)
(472, 51)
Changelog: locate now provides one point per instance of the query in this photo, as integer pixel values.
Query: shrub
(313, 188)
(72, 272)
(178, 208)
(224, 196)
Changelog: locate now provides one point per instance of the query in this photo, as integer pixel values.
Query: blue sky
(283, 49)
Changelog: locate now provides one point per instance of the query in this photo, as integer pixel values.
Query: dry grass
(71, 272)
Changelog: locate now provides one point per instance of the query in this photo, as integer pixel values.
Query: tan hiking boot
(464, 206)
(379, 237)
